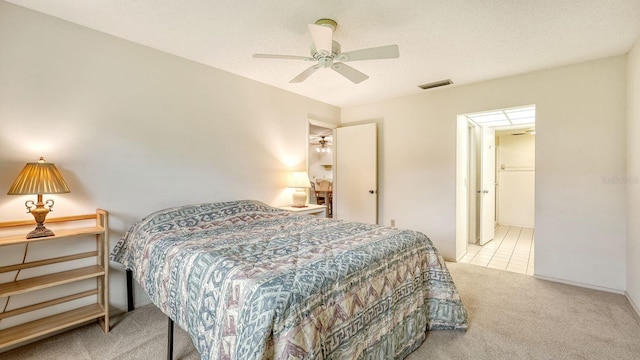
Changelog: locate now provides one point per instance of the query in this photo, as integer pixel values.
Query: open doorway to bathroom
(499, 188)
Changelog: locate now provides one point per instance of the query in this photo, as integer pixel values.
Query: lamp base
(299, 198)
(40, 231)
(39, 212)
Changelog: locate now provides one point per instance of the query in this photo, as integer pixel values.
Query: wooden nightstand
(310, 209)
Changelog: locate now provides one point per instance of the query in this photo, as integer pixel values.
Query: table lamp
(299, 181)
(36, 179)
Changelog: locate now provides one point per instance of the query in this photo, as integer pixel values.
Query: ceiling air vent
(435, 84)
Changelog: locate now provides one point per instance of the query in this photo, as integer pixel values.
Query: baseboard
(633, 304)
(579, 284)
(516, 225)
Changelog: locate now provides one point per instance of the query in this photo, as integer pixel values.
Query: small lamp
(300, 181)
(36, 179)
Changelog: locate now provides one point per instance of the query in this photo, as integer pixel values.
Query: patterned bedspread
(249, 281)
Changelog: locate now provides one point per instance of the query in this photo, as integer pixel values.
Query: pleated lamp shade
(39, 178)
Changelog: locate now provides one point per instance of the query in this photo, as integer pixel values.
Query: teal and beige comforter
(249, 281)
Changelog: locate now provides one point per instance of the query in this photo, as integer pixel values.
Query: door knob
(372, 191)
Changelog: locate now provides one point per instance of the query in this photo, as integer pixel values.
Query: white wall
(133, 130)
(581, 110)
(633, 176)
(516, 181)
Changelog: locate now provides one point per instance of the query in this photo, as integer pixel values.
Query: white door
(356, 176)
(487, 184)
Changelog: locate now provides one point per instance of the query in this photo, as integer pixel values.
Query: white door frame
(463, 192)
(325, 125)
(462, 186)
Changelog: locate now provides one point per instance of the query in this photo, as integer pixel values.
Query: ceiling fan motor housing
(325, 61)
(335, 51)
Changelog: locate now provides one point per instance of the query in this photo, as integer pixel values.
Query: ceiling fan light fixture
(322, 146)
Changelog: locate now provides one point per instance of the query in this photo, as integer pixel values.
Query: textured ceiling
(464, 40)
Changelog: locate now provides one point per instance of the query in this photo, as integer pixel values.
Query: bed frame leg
(129, 290)
(130, 307)
(170, 340)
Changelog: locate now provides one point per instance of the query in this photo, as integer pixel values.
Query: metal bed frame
(130, 307)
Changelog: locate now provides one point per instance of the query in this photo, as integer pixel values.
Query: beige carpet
(511, 316)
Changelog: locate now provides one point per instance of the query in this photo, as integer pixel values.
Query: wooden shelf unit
(47, 325)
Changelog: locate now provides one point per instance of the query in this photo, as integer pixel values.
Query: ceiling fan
(320, 140)
(323, 145)
(326, 52)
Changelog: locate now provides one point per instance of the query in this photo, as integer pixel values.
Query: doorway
(320, 160)
(496, 180)
(345, 158)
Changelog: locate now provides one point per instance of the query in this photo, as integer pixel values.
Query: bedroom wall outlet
(393, 222)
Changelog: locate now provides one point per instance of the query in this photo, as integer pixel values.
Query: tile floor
(510, 250)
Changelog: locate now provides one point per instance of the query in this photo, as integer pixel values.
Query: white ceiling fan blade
(305, 74)
(322, 38)
(350, 73)
(382, 52)
(273, 56)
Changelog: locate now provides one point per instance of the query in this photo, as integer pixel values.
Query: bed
(250, 281)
